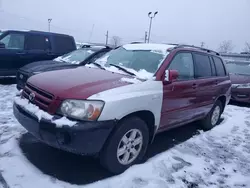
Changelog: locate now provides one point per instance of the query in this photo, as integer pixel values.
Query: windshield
(239, 68)
(76, 57)
(141, 62)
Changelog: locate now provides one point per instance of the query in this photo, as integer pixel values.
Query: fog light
(62, 138)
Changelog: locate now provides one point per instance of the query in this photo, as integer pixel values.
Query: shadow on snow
(81, 170)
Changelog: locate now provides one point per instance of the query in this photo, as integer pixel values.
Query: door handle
(194, 86)
(50, 53)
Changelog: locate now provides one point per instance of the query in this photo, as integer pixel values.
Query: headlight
(81, 109)
(247, 85)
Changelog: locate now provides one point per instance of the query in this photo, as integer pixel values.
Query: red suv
(115, 106)
(239, 71)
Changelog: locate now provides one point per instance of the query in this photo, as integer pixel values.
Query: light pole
(151, 16)
(49, 20)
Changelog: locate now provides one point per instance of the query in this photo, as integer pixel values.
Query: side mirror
(2, 45)
(171, 75)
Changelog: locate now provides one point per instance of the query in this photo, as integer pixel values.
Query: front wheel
(126, 146)
(213, 117)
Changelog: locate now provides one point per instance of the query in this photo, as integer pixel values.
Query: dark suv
(18, 48)
(115, 106)
(77, 58)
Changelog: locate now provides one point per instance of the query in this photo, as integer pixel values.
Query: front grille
(42, 98)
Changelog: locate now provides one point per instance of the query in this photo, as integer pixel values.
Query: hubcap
(215, 115)
(129, 147)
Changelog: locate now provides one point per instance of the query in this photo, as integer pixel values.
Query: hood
(43, 66)
(77, 83)
(239, 79)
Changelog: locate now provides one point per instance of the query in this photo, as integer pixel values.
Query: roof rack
(197, 47)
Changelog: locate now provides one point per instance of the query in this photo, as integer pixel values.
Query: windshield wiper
(98, 65)
(123, 69)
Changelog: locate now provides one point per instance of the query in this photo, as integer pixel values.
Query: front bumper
(86, 138)
(241, 95)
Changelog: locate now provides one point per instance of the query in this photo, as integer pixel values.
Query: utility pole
(150, 23)
(91, 32)
(49, 20)
(146, 36)
(107, 37)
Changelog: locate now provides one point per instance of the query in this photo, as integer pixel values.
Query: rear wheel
(126, 146)
(213, 116)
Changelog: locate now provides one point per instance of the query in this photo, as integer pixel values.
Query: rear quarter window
(202, 66)
(220, 68)
(37, 42)
(63, 44)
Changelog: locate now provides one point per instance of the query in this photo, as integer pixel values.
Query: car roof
(38, 32)
(167, 46)
(147, 46)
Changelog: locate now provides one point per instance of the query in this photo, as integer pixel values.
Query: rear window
(64, 44)
(220, 69)
(202, 66)
(37, 42)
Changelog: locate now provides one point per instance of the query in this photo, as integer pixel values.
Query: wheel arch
(148, 117)
(223, 100)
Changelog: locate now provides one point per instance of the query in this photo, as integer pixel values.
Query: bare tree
(247, 47)
(226, 46)
(116, 41)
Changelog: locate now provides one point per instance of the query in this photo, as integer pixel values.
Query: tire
(208, 123)
(109, 155)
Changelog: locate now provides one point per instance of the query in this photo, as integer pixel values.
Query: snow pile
(90, 51)
(59, 58)
(91, 65)
(157, 48)
(131, 80)
(40, 114)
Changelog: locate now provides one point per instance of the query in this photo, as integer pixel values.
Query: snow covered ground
(217, 158)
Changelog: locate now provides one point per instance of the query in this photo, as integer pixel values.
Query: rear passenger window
(183, 63)
(219, 67)
(37, 42)
(64, 44)
(202, 66)
(212, 66)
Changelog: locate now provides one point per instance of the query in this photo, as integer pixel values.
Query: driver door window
(183, 63)
(14, 41)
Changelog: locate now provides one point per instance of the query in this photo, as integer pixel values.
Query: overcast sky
(184, 21)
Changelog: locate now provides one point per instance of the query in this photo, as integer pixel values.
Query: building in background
(245, 56)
